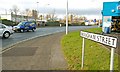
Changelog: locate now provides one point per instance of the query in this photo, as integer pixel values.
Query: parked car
(5, 31)
(25, 26)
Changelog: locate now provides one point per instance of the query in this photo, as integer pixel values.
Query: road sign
(110, 41)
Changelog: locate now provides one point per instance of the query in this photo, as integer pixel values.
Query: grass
(97, 56)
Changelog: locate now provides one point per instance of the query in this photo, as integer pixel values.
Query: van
(25, 26)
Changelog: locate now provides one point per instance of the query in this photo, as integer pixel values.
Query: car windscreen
(21, 23)
(2, 26)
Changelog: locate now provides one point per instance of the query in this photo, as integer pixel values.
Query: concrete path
(43, 53)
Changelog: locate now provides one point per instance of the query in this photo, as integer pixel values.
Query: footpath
(42, 53)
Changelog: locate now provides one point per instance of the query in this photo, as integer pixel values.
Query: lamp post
(36, 16)
(67, 18)
(37, 9)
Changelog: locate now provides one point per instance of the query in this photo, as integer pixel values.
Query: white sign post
(83, 47)
(106, 40)
(112, 60)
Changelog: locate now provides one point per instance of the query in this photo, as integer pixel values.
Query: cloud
(71, 11)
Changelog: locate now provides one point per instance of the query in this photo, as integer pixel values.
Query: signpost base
(83, 47)
(112, 59)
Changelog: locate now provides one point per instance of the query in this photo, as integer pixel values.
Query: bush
(78, 24)
(8, 22)
(83, 23)
(53, 23)
(75, 24)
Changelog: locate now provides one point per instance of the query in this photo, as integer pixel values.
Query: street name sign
(110, 41)
(106, 40)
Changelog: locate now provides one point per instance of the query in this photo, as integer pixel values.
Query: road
(17, 37)
(42, 53)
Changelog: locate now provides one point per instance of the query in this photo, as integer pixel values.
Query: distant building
(34, 14)
(17, 18)
(6, 16)
(20, 17)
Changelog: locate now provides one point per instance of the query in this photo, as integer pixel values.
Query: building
(111, 16)
(16, 18)
(32, 16)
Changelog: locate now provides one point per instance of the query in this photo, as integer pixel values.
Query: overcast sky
(79, 7)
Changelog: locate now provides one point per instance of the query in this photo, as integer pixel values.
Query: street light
(37, 9)
(67, 18)
(36, 17)
(52, 13)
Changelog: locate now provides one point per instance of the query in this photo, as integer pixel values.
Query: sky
(78, 7)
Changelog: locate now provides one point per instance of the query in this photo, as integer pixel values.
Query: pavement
(42, 53)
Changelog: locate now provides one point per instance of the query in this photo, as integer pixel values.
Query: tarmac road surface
(42, 53)
(18, 37)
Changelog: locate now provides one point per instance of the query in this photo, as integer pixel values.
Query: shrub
(52, 23)
(8, 22)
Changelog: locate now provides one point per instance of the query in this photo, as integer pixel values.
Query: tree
(48, 17)
(15, 11)
(27, 13)
(53, 15)
(34, 14)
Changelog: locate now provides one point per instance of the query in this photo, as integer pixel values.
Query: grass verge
(97, 56)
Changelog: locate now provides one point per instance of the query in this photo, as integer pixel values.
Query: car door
(1, 30)
(27, 26)
(31, 26)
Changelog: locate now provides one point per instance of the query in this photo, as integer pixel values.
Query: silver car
(5, 31)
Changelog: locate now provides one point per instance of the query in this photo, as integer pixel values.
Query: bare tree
(15, 11)
(53, 15)
(22, 15)
(27, 13)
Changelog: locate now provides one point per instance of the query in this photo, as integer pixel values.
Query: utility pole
(67, 18)
(37, 7)
(37, 12)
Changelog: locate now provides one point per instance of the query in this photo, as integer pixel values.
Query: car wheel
(33, 29)
(22, 30)
(6, 35)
